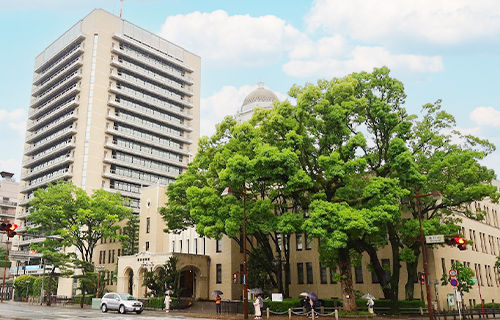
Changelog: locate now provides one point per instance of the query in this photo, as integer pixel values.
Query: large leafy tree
(164, 279)
(78, 219)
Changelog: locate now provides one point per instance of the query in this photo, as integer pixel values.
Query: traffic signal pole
(5, 268)
(430, 311)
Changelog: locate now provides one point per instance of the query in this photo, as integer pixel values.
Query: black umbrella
(217, 293)
(313, 296)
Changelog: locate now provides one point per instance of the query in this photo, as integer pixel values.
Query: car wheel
(104, 308)
(121, 309)
(139, 312)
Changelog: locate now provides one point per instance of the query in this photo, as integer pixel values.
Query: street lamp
(417, 197)
(228, 191)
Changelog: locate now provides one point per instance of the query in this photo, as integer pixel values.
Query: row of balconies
(150, 113)
(63, 173)
(44, 143)
(47, 166)
(53, 113)
(152, 76)
(8, 203)
(148, 53)
(65, 54)
(54, 92)
(172, 160)
(144, 125)
(149, 89)
(159, 172)
(57, 75)
(49, 153)
(145, 141)
(73, 89)
(53, 126)
(150, 100)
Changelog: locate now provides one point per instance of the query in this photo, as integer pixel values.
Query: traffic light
(235, 277)
(11, 230)
(421, 277)
(461, 243)
(457, 241)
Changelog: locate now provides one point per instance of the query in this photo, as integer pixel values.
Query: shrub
(282, 306)
(87, 300)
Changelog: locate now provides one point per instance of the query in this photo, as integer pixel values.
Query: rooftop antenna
(121, 6)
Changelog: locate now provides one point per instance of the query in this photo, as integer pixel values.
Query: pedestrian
(218, 301)
(307, 304)
(370, 305)
(256, 306)
(312, 304)
(167, 302)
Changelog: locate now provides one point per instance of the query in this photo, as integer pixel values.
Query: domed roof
(260, 94)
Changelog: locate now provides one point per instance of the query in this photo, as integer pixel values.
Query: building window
(443, 266)
(195, 245)
(148, 224)
(358, 274)
(218, 245)
(113, 256)
(300, 273)
(173, 245)
(308, 242)
(218, 276)
(180, 246)
(322, 273)
(309, 272)
(299, 241)
(147, 245)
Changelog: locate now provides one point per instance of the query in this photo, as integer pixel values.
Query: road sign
(439, 238)
(453, 273)
(451, 299)
(454, 282)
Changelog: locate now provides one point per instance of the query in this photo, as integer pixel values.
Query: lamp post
(227, 191)
(430, 311)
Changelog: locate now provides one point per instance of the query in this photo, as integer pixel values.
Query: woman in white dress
(167, 302)
(256, 305)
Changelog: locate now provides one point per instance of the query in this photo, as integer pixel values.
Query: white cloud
(486, 116)
(239, 40)
(436, 21)
(362, 58)
(225, 102)
(14, 115)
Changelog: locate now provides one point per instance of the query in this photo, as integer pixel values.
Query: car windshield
(126, 296)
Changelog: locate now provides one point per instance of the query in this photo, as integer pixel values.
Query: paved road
(21, 311)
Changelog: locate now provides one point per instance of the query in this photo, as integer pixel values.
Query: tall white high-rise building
(113, 106)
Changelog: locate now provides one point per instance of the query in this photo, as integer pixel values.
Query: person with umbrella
(218, 301)
(313, 298)
(257, 307)
(167, 302)
(370, 303)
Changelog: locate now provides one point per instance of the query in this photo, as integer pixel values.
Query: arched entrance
(188, 281)
(130, 281)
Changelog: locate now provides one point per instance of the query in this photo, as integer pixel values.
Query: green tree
(78, 219)
(130, 242)
(465, 277)
(163, 279)
(23, 285)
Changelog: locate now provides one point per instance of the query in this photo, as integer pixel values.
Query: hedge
(87, 300)
(330, 303)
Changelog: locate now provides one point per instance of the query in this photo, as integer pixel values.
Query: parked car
(121, 302)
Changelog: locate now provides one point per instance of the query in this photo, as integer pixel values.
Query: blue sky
(440, 49)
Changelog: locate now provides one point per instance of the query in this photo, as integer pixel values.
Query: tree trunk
(396, 269)
(346, 286)
(411, 270)
(379, 271)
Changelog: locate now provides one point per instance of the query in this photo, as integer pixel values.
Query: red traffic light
(461, 243)
(12, 227)
(421, 277)
(235, 277)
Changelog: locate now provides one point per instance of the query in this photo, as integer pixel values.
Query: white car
(121, 302)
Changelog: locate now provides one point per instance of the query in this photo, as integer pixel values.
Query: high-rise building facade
(113, 106)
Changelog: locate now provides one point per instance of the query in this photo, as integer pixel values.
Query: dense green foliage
(350, 158)
(464, 277)
(77, 219)
(164, 278)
